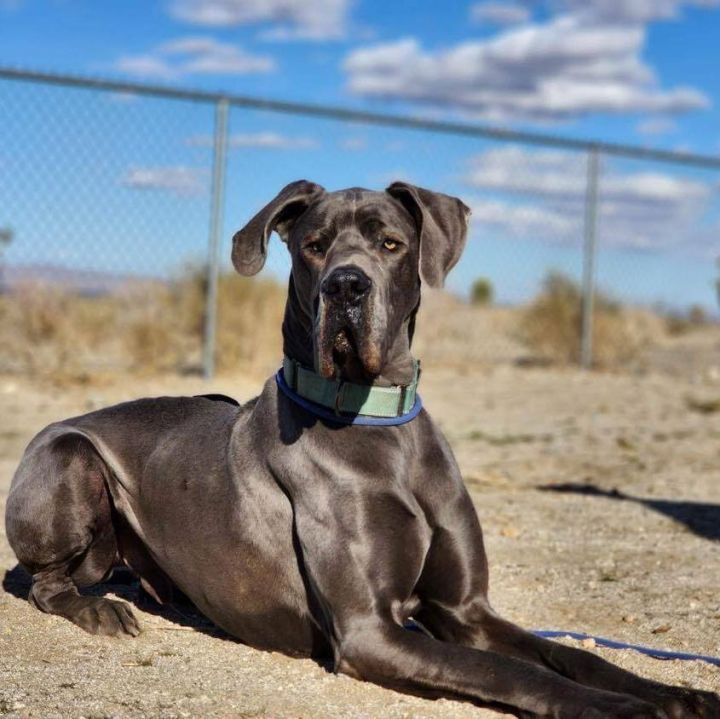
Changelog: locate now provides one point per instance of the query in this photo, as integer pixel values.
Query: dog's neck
(297, 330)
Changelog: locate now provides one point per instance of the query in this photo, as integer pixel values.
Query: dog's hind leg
(59, 523)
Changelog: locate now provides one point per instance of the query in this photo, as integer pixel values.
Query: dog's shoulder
(214, 397)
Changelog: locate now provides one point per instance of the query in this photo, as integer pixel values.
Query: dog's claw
(623, 708)
(691, 704)
(108, 618)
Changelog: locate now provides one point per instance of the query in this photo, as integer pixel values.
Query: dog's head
(358, 258)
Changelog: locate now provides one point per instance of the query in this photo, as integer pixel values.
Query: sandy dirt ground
(600, 500)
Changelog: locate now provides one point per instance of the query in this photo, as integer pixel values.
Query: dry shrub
(681, 323)
(148, 327)
(155, 327)
(249, 323)
(162, 325)
(166, 330)
(464, 336)
(50, 332)
(551, 326)
(482, 292)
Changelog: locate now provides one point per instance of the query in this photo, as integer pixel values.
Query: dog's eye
(315, 247)
(390, 244)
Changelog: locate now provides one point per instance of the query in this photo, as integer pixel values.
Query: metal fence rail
(577, 216)
(386, 119)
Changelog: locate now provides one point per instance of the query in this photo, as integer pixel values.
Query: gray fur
(301, 536)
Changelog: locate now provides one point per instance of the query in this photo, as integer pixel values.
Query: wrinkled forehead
(366, 210)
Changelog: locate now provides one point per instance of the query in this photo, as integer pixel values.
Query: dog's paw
(107, 617)
(681, 703)
(622, 707)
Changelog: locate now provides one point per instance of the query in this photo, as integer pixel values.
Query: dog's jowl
(320, 517)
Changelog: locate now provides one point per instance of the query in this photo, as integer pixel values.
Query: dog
(321, 517)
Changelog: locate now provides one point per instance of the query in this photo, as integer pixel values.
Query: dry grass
(249, 323)
(44, 331)
(551, 326)
(166, 334)
(149, 327)
(154, 327)
(680, 323)
(456, 334)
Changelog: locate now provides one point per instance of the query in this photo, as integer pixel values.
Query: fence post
(217, 213)
(589, 252)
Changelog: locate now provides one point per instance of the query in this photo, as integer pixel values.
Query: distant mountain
(86, 282)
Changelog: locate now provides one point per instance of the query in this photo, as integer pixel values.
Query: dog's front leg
(360, 553)
(455, 609)
(477, 626)
(387, 654)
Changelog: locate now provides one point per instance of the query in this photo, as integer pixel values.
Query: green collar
(349, 398)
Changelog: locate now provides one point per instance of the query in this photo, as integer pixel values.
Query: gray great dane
(297, 533)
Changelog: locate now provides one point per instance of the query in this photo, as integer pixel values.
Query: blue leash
(612, 644)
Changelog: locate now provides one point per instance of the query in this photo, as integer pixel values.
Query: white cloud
(640, 210)
(523, 219)
(273, 140)
(354, 144)
(683, 147)
(179, 180)
(562, 174)
(291, 19)
(265, 140)
(194, 56)
(148, 66)
(571, 65)
(396, 146)
(656, 126)
(637, 11)
(499, 13)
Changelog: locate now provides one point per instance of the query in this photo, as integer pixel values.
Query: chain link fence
(117, 202)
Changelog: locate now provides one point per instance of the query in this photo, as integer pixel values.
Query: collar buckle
(339, 396)
(401, 400)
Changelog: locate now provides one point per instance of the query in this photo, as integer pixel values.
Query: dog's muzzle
(343, 317)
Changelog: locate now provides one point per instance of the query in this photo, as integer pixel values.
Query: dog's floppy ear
(442, 223)
(250, 243)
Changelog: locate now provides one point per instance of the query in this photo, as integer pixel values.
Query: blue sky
(633, 71)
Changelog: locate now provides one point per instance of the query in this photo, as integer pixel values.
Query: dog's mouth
(342, 343)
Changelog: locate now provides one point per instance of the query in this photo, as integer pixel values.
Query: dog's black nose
(345, 283)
